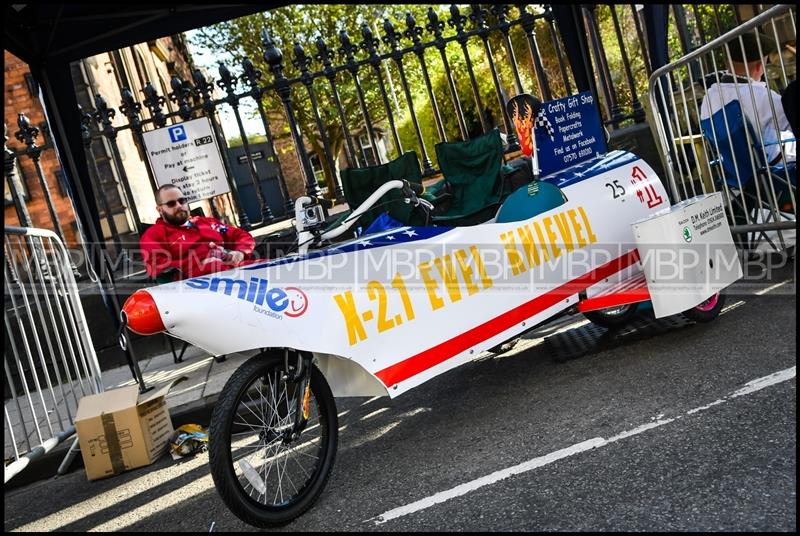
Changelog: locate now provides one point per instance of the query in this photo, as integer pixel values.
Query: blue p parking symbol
(177, 133)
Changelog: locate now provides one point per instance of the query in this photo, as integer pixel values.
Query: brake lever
(410, 195)
(412, 198)
(425, 203)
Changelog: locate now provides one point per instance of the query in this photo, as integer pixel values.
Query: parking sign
(187, 156)
(177, 133)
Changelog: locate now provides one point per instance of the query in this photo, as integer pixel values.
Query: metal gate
(716, 134)
(49, 359)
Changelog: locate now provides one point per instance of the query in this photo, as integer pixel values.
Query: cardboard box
(121, 429)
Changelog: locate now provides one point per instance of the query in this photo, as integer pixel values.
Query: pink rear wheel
(708, 310)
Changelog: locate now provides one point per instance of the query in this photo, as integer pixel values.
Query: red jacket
(166, 246)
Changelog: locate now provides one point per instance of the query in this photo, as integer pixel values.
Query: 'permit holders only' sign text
(568, 131)
(187, 156)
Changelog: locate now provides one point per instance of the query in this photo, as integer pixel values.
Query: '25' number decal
(617, 190)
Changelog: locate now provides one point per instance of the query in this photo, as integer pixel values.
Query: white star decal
(389, 237)
(410, 232)
(364, 243)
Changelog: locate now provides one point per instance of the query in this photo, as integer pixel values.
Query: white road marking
(772, 287)
(376, 412)
(373, 399)
(703, 408)
(488, 479)
(462, 489)
(638, 430)
(732, 306)
(766, 381)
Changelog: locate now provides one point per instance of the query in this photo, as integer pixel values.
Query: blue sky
(205, 58)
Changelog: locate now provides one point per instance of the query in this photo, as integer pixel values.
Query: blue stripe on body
(401, 235)
(590, 168)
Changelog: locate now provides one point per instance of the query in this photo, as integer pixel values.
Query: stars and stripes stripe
(392, 237)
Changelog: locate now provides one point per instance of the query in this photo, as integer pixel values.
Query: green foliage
(704, 14)
(303, 24)
(252, 139)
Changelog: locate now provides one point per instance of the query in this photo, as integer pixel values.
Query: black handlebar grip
(416, 188)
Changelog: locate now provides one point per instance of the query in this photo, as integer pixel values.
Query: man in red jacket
(184, 246)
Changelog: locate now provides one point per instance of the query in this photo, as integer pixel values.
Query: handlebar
(414, 187)
(305, 236)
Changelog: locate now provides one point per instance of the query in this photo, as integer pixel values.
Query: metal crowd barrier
(49, 358)
(759, 191)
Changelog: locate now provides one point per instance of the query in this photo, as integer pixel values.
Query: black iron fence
(517, 47)
(195, 98)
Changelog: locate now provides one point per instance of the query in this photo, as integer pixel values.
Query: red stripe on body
(617, 299)
(442, 352)
(633, 290)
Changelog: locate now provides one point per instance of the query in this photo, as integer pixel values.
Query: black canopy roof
(44, 33)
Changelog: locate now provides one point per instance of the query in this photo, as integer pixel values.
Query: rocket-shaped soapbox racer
(385, 312)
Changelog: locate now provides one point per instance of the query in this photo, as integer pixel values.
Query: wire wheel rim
(273, 473)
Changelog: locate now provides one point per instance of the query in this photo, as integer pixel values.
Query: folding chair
(472, 178)
(746, 180)
(360, 183)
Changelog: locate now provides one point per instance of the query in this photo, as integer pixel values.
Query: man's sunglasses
(172, 202)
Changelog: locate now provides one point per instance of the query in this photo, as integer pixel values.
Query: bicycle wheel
(266, 477)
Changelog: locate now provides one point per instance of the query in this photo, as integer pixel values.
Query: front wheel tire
(263, 476)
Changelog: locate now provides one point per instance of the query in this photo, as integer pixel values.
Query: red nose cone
(143, 315)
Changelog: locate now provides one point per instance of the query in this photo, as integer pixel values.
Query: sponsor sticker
(270, 301)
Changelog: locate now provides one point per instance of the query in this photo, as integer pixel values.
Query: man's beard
(179, 218)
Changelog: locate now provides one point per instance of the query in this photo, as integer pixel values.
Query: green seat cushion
(471, 170)
(360, 183)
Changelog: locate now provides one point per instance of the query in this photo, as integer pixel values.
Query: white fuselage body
(389, 311)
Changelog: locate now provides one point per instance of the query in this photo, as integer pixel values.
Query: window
(107, 182)
(372, 159)
(33, 87)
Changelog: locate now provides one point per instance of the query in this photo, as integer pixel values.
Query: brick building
(21, 96)
(104, 74)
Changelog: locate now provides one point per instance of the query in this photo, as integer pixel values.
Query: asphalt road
(652, 430)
